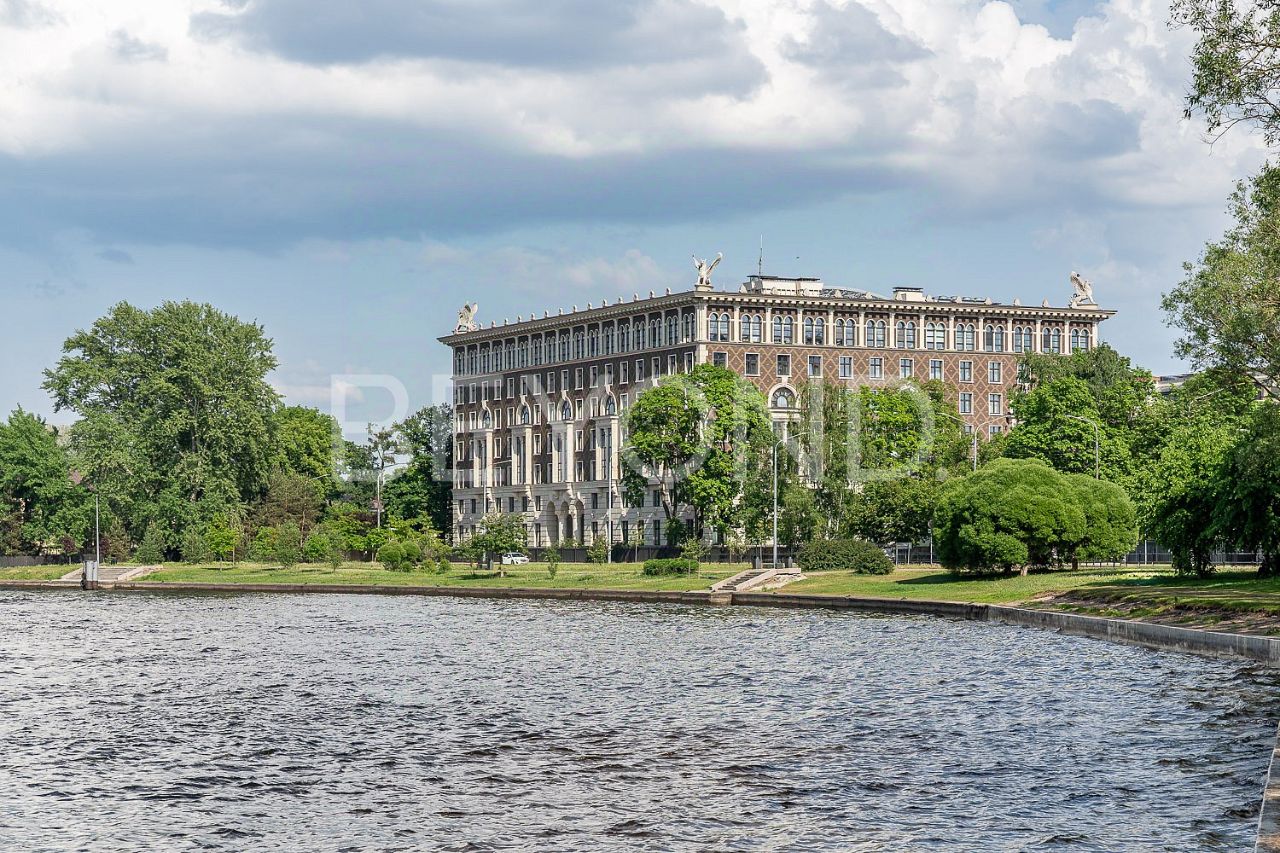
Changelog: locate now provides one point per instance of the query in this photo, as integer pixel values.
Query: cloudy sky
(347, 173)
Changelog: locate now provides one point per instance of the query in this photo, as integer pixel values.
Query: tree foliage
(1228, 306)
(1235, 62)
(176, 411)
(702, 437)
(1017, 513)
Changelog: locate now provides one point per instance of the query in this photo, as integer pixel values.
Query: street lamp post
(77, 478)
(775, 504)
(1097, 466)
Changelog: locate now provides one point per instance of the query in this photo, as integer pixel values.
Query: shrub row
(670, 566)
(851, 555)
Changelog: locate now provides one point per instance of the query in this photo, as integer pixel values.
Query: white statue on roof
(704, 270)
(1083, 291)
(467, 317)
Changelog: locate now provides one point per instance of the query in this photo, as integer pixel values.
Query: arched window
(486, 419)
(966, 337)
(783, 399)
(935, 335)
(998, 339)
(808, 330)
(566, 411)
(1083, 343)
(911, 334)
(757, 327)
(524, 415)
(820, 331)
(875, 333)
(1056, 340)
(610, 407)
(672, 329)
(744, 328)
(988, 338)
(777, 330)
(900, 335)
(788, 330)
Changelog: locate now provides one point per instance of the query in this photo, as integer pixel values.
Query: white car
(514, 559)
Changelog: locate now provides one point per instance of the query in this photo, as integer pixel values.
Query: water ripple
(256, 722)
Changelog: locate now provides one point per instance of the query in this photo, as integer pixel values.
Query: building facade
(537, 402)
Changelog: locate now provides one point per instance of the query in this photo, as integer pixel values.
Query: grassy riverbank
(1228, 601)
(36, 573)
(569, 576)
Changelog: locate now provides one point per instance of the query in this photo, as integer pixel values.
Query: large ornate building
(537, 401)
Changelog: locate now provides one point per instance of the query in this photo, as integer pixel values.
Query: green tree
(304, 442)
(263, 547)
(222, 537)
(176, 410)
(194, 548)
(499, 534)
(598, 551)
(1011, 513)
(1111, 522)
(288, 544)
(1228, 306)
(423, 488)
(1235, 62)
(1055, 424)
(551, 557)
(151, 548)
(35, 482)
(897, 510)
(321, 547)
(291, 498)
(1183, 487)
(698, 438)
(1247, 511)
(799, 518)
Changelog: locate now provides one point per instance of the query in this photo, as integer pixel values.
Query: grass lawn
(569, 576)
(933, 582)
(36, 573)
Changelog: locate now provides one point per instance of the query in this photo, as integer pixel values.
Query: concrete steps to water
(112, 574)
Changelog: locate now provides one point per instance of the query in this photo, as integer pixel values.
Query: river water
(258, 722)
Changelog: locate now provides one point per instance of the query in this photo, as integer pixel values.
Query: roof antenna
(760, 261)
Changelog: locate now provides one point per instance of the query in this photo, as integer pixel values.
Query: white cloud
(959, 99)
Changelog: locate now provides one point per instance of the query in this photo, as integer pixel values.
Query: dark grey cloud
(26, 14)
(554, 34)
(850, 46)
(133, 49)
(1086, 131)
(225, 189)
(115, 256)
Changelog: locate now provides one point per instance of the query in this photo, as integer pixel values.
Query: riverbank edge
(1269, 817)
(1130, 632)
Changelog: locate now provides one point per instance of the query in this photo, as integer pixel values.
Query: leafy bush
(552, 558)
(599, 550)
(321, 547)
(670, 566)
(443, 566)
(393, 557)
(1017, 513)
(844, 555)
